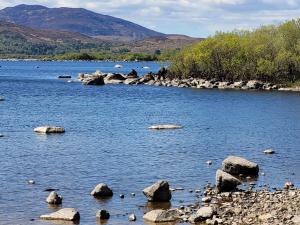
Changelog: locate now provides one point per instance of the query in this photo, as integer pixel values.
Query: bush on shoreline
(269, 54)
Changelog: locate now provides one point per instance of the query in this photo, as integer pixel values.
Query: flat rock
(67, 214)
(226, 182)
(49, 129)
(162, 216)
(102, 190)
(165, 126)
(202, 214)
(237, 165)
(269, 151)
(158, 192)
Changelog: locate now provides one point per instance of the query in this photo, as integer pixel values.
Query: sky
(198, 18)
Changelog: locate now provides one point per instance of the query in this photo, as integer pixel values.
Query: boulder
(237, 165)
(115, 76)
(131, 81)
(49, 129)
(202, 214)
(226, 182)
(93, 80)
(254, 84)
(158, 192)
(132, 74)
(269, 151)
(102, 190)
(54, 198)
(67, 214)
(162, 216)
(165, 126)
(102, 215)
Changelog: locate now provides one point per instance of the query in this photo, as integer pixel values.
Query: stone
(132, 74)
(162, 216)
(31, 182)
(165, 126)
(158, 192)
(2, 98)
(209, 162)
(132, 217)
(288, 185)
(93, 80)
(102, 190)
(202, 214)
(66, 214)
(114, 76)
(131, 81)
(1, 135)
(269, 151)
(206, 199)
(54, 198)
(49, 130)
(254, 84)
(226, 182)
(64, 77)
(237, 165)
(122, 196)
(102, 214)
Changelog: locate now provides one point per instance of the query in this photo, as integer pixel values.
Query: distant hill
(75, 20)
(19, 40)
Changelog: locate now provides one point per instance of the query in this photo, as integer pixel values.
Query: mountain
(75, 20)
(20, 40)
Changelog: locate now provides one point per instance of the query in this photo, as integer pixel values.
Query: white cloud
(193, 17)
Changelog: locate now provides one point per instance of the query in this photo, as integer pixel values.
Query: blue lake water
(107, 139)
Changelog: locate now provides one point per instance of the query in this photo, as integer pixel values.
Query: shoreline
(160, 80)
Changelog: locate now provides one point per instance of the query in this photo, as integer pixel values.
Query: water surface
(107, 139)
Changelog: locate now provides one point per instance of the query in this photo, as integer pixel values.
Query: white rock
(165, 126)
(162, 216)
(49, 129)
(67, 214)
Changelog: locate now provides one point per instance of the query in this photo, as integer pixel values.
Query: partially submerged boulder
(66, 214)
(102, 190)
(49, 129)
(165, 126)
(202, 214)
(132, 74)
(226, 182)
(162, 216)
(158, 192)
(102, 215)
(2, 98)
(54, 198)
(237, 165)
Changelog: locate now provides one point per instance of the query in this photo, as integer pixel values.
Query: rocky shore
(160, 79)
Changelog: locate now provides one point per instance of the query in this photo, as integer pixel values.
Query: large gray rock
(162, 216)
(202, 214)
(49, 129)
(67, 214)
(54, 198)
(158, 192)
(237, 165)
(225, 181)
(102, 190)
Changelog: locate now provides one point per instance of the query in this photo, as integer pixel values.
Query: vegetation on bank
(269, 53)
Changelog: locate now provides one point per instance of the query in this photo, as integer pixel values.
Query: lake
(107, 139)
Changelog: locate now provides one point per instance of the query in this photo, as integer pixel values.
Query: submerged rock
(102, 215)
(1, 135)
(165, 126)
(158, 192)
(54, 198)
(49, 129)
(67, 214)
(102, 190)
(225, 181)
(237, 165)
(162, 216)
(64, 77)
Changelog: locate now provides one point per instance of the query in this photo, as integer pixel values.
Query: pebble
(209, 162)
(132, 217)
(122, 196)
(132, 194)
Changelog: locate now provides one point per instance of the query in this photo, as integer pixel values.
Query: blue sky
(199, 18)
